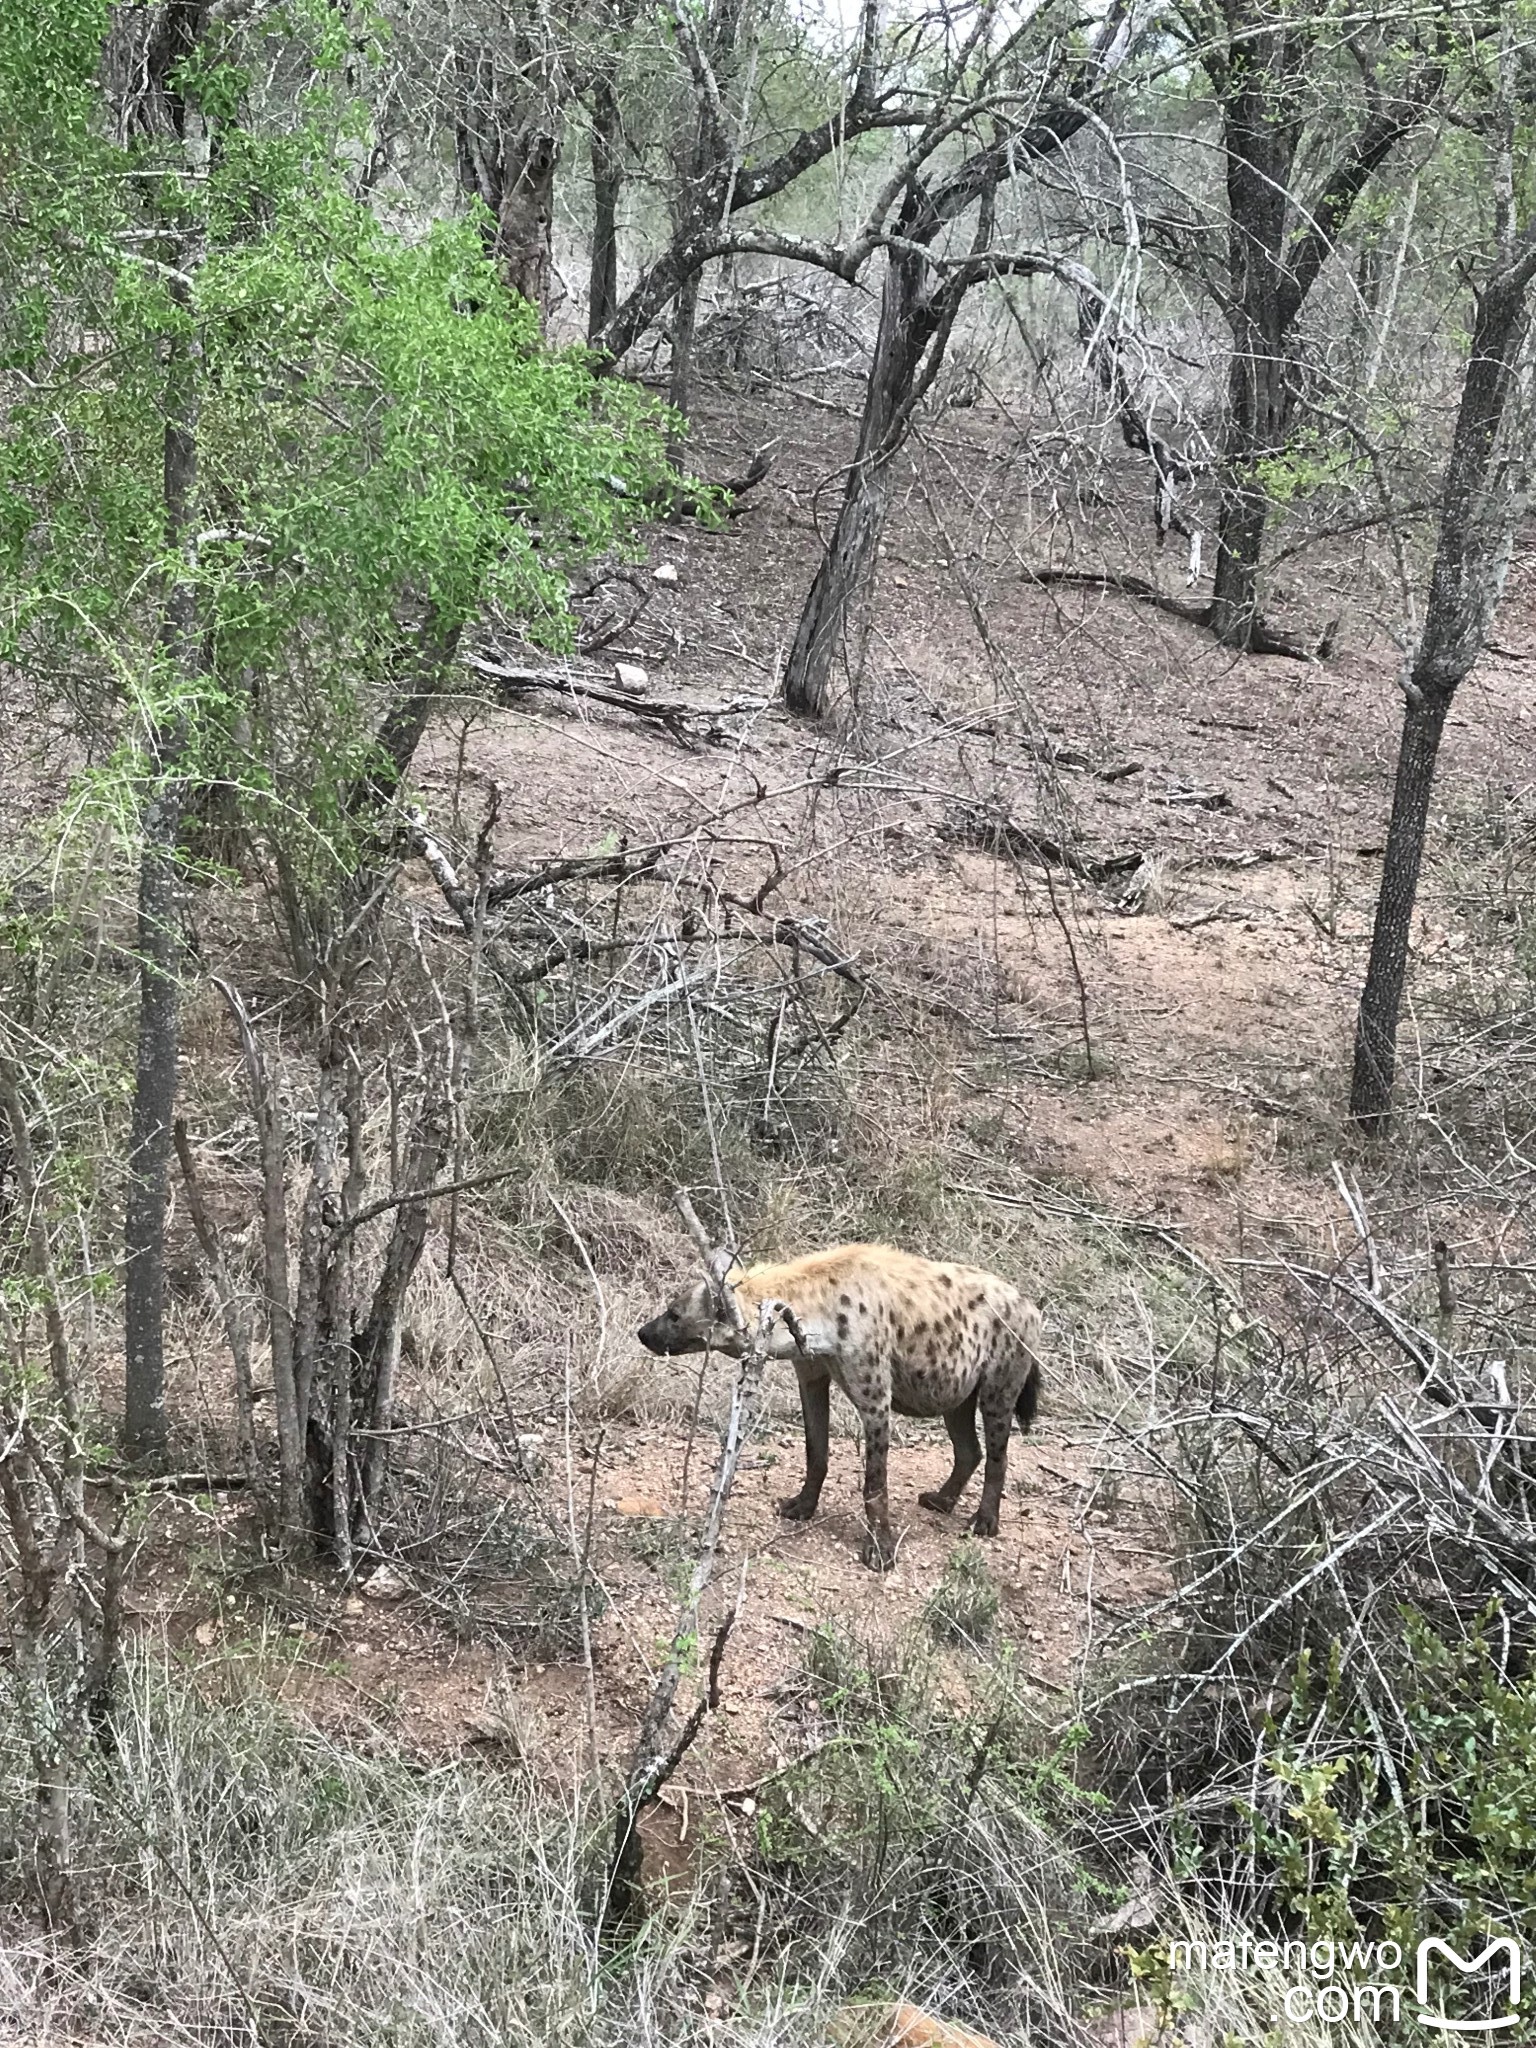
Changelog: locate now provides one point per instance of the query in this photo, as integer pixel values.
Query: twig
(1354, 1202)
(237, 1329)
(651, 1765)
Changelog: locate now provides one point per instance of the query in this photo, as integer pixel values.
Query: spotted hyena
(896, 1333)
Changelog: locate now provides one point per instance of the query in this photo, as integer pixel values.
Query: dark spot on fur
(919, 1329)
(842, 1301)
(945, 1281)
(863, 1308)
(842, 1323)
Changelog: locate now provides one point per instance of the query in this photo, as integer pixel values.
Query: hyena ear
(720, 1263)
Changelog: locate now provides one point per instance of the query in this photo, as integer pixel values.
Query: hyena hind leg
(961, 1424)
(879, 1549)
(996, 1422)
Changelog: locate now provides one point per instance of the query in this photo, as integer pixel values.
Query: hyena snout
(665, 1335)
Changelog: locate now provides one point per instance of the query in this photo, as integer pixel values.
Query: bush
(1424, 1824)
(962, 1607)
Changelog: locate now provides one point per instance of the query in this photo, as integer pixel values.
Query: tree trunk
(1483, 499)
(524, 247)
(843, 585)
(1260, 151)
(1370, 1097)
(507, 149)
(378, 1344)
(607, 184)
(685, 320)
(154, 1096)
(149, 1142)
(1257, 424)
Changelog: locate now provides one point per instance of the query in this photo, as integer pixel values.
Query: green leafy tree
(261, 463)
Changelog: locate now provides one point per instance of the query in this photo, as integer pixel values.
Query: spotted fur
(899, 1335)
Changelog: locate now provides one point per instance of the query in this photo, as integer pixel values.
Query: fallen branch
(512, 971)
(1264, 639)
(697, 498)
(596, 867)
(1127, 586)
(996, 832)
(689, 724)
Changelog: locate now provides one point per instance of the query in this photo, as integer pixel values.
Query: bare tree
(1483, 498)
(605, 116)
(731, 177)
(510, 83)
(146, 52)
(64, 1619)
(1274, 72)
(924, 288)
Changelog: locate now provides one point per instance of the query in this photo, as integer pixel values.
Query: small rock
(664, 572)
(384, 1584)
(204, 1634)
(352, 1605)
(629, 675)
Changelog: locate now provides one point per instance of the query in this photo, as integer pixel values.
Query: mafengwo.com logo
(1472, 1997)
(1494, 1972)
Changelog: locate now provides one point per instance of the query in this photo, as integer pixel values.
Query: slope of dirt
(1217, 1009)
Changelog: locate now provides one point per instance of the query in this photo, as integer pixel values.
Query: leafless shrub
(1329, 1463)
(458, 1522)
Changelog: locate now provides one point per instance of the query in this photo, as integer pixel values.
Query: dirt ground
(1217, 1008)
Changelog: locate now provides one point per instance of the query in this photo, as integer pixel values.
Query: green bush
(1424, 1826)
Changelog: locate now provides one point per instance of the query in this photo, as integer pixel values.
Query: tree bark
(685, 320)
(910, 320)
(607, 184)
(1483, 498)
(1277, 244)
(147, 1191)
(918, 306)
(1260, 147)
(1370, 1100)
(507, 147)
(378, 1344)
(149, 1142)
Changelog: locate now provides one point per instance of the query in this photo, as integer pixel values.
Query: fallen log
(996, 832)
(688, 724)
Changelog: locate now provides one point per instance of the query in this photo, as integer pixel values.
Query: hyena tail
(1028, 1404)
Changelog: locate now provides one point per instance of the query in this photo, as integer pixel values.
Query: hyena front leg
(815, 1406)
(879, 1551)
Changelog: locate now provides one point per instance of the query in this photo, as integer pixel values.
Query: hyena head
(691, 1321)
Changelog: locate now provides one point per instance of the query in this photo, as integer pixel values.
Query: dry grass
(254, 1881)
